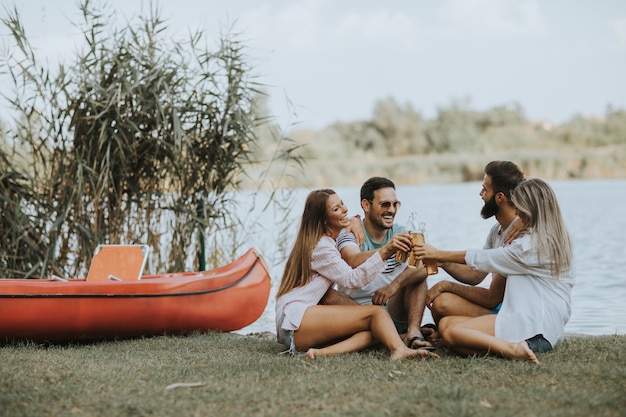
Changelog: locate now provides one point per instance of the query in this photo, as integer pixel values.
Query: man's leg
(334, 297)
(449, 304)
(414, 304)
(408, 305)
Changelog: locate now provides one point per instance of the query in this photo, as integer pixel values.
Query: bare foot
(523, 352)
(435, 339)
(311, 353)
(406, 352)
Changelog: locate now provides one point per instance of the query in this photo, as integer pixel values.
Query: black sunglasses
(387, 204)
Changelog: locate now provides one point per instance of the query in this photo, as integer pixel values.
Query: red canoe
(223, 299)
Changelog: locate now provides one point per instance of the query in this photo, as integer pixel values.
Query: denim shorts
(286, 338)
(539, 344)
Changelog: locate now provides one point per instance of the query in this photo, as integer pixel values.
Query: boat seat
(57, 278)
(118, 263)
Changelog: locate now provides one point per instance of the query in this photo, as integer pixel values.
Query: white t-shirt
(534, 302)
(495, 238)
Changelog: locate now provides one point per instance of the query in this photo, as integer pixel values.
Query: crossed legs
(342, 329)
(476, 335)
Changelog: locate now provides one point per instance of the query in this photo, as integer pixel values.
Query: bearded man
(448, 298)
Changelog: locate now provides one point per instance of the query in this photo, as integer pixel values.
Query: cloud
(619, 27)
(379, 27)
(493, 18)
(321, 27)
(296, 26)
(312, 25)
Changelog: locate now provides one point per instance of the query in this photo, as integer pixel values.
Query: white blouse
(328, 268)
(535, 302)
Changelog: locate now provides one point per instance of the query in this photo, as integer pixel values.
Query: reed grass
(140, 137)
(228, 374)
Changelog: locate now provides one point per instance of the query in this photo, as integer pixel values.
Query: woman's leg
(326, 324)
(477, 335)
(354, 343)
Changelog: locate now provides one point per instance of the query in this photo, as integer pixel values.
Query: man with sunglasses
(400, 289)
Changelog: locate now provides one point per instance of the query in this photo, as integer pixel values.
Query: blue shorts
(401, 326)
(496, 309)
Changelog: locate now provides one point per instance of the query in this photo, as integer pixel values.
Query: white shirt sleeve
(514, 259)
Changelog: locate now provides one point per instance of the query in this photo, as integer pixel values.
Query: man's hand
(435, 291)
(399, 242)
(382, 295)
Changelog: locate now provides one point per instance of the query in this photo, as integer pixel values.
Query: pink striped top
(328, 268)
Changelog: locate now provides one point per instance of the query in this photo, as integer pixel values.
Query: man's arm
(407, 277)
(485, 297)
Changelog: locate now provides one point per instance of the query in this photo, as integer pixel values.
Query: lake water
(594, 211)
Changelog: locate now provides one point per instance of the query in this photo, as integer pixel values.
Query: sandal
(420, 339)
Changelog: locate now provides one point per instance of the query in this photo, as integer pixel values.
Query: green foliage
(455, 130)
(401, 128)
(397, 130)
(140, 140)
(455, 145)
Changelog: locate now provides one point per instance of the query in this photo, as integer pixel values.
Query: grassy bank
(232, 375)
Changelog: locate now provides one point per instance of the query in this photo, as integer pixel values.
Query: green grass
(246, 376)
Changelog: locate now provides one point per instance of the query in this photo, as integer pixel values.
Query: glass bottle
(419, 236)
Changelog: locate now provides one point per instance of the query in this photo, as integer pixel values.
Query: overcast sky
(334, 59)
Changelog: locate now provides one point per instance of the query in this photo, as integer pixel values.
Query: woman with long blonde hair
(539, 275)
(315, 265)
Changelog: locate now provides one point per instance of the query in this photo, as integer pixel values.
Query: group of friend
(343, 290)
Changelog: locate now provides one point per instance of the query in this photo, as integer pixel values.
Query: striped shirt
(394, 268)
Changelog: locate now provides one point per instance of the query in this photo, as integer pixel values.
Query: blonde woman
(313, 266)
(538, 271)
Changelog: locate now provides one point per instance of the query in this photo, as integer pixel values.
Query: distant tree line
(461, 139)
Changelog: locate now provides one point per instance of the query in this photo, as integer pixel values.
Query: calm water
(594, 211)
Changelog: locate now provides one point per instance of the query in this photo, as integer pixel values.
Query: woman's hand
(424, 251)
(515, 229)
(356, 228)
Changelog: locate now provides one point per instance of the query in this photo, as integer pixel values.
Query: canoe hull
(224, 299)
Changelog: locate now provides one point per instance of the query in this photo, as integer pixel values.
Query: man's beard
(490, 208)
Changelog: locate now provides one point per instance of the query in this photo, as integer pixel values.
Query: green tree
(455, 129)
(401, 127)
